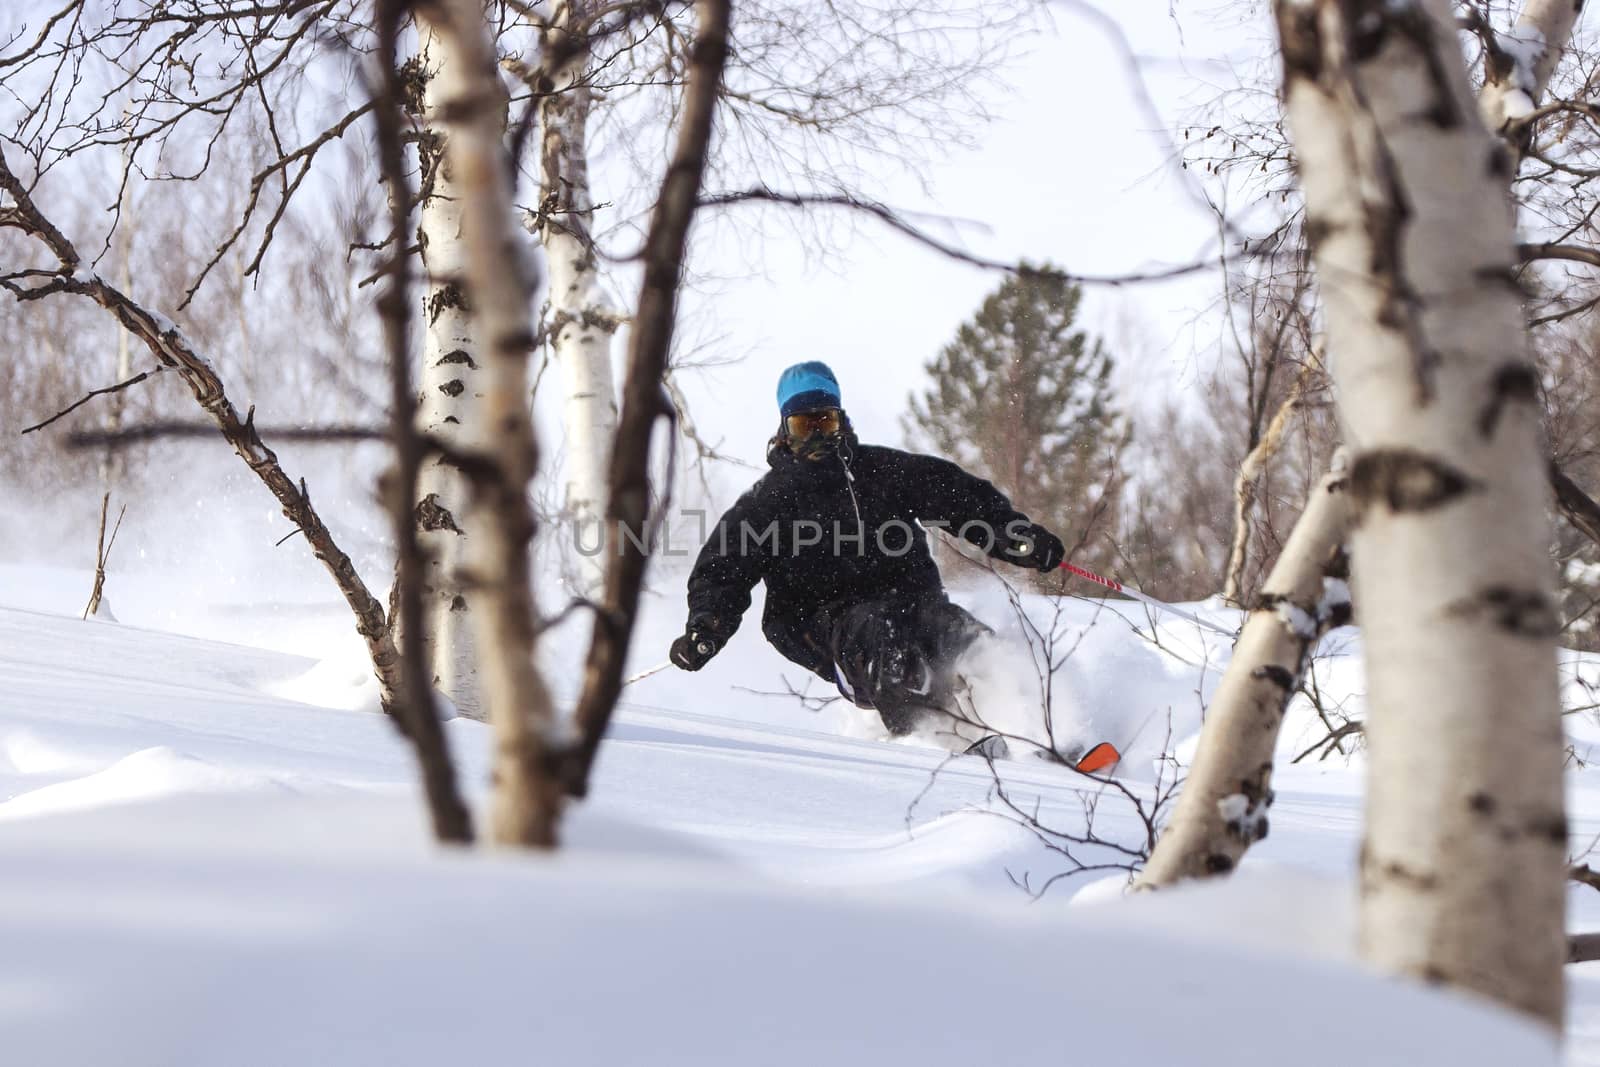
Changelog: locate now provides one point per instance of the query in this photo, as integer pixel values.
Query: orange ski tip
(1098, 758)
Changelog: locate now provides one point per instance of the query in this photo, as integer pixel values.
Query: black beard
(818, 447)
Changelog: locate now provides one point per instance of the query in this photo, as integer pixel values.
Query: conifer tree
(1024, 398)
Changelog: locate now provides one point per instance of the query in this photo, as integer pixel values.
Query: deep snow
(201, 866)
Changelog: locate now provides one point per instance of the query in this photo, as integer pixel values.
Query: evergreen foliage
(1024, 398)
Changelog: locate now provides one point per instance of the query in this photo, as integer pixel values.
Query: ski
(1101, 757)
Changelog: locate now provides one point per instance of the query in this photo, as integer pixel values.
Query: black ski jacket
(827, 533)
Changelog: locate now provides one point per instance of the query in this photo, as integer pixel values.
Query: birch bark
(581, 321)
(1462, 866)
(415, 708)
(450, 385)
(1248, 482)
(504, 452)
(1517, 73)
(1519, 64)
(1223, 808)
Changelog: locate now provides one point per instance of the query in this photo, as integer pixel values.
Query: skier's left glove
(1037, 548)
(694, 649)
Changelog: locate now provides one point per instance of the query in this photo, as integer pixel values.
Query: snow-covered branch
(1518, 65)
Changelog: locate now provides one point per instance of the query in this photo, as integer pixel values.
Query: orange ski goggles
(804, 424)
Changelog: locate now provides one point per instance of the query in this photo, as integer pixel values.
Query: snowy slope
(214, 871)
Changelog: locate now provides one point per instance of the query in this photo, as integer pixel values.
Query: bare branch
(173, 351)
(644, 399)
(144, 433)
(304, 156)
(892, 219)
(418, 712)
(1584, 874)
(1583, 948)
(1573, 253)
(1579, 507)
(107, 391)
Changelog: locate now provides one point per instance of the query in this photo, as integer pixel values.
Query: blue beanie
(807, 387)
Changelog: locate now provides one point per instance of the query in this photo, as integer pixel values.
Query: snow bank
(201, 867)
(150, 772)
(224, 951)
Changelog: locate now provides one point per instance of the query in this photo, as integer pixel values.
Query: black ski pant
(896, 655)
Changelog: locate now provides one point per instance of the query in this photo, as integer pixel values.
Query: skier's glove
(694, 649)
(1038, 548)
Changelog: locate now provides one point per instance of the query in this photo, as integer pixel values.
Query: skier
(836, 530)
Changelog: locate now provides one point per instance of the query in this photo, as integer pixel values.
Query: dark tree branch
(107, 391)
(650, 344)
(1571, 253)
(1565, 313)
(417, 711)
(305, 157)
(1579, 507)
(173, 351)
(892, 219)
(1585, 874)
(1335, 735)
(173, 428)
(1583, 948)
(102, 554)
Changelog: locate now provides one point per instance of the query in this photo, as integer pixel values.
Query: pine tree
(1024, 399)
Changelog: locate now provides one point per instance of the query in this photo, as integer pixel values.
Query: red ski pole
(1160, 605)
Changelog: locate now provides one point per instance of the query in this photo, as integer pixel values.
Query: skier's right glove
(1038, 548)
(694, 649)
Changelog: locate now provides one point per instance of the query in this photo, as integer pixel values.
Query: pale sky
(1070, 171)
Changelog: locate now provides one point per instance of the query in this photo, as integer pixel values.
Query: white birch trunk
(450, 386)
(1251, 471)
(1226, 797)
(500, 522)
(1518, 72)
(581, 321)
(1462, 866)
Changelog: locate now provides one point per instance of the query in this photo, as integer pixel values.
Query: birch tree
(201, 80)
(1226, 799)
(1462, 864)
(1237, 748)
(1519, 64)
(580, 321)
(450, 385)
(644, 398)
(503, 454)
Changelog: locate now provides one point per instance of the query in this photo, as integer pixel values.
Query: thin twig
(107, 391)
(891, 218)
